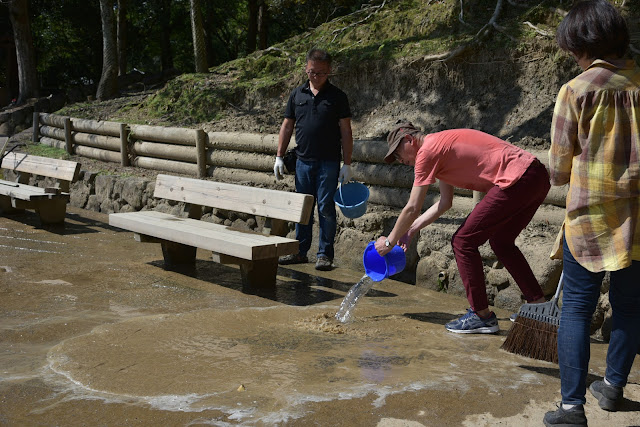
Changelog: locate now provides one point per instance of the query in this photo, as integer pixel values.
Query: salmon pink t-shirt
(471, 159)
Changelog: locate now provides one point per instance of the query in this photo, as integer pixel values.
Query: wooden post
(67, 135)
(201, 152)
(36, 127)
(124, 145)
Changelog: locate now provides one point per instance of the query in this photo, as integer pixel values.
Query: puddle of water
(100, 330)
(348, 305)
(198, 361)
(54, 282)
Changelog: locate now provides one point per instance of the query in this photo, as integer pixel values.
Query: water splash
(345, 312)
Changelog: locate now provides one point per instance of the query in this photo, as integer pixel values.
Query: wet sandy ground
(93, 331)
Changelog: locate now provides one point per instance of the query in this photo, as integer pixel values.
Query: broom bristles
(532, 338)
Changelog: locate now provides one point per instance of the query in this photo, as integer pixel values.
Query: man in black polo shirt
(322, 119)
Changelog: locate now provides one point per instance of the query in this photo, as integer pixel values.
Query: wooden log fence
(230, 156)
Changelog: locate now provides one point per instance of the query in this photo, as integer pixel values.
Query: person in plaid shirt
(595, 147)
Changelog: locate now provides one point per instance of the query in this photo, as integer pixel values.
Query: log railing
(227, 156)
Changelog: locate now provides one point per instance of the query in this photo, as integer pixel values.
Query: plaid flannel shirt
(595, 147)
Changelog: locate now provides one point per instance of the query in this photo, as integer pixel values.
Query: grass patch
(47, 151)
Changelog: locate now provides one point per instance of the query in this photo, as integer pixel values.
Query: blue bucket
(352, 199)
(379, 268)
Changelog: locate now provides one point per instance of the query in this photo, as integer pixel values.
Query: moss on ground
(46, 151)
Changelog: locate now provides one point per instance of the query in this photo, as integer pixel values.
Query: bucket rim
(359, 184)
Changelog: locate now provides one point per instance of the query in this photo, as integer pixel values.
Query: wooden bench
(256, 253)
(51, 202)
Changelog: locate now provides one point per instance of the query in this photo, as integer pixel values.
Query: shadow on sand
(73, 223)
(625, 406)
(292, 287)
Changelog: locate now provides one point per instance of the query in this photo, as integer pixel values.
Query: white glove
(345, 174)
(278, 168)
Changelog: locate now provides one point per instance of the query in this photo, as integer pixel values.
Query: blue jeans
(580, 296)
(320, 179)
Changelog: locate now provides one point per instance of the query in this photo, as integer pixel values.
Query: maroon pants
(499, 217)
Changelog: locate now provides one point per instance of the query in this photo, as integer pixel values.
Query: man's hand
(279, 169)
(381, 246)
(345, 174)
(404, 241)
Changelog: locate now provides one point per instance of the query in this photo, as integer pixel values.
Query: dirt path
(92, 328)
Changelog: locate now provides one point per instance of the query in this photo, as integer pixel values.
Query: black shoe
(323, 263)
(293, 259)
(566, 417)
(609, 396)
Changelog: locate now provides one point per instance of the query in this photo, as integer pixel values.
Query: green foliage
(68, 46)
(187, 99)
(67, 34)
(443, 285)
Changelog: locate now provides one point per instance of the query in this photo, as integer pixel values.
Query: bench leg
(53, 211)
(177, 255)
(260, 273)
(276, 227)
(7, 208)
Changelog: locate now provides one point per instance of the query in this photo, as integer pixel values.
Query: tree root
(353, 24)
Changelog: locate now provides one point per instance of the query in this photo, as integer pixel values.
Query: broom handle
(560, 283)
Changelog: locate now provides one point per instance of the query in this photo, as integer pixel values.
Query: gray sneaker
(609, 396)
(323, 263)
(293, 259)
(566, 417)
(471, 323)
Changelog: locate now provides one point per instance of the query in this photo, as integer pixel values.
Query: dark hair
(593, 28)
(319, 55)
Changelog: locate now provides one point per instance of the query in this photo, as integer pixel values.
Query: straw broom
(534, 333)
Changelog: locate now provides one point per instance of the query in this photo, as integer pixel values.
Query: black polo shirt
(317, 128)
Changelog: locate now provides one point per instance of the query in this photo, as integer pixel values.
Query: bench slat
(206, 235)
(26, 192)
(9, 183)
(283, 205)
(65, 170)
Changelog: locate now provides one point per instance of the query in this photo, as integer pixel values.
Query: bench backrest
(64, 170)
(282, 205)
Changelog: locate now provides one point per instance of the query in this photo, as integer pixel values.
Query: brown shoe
(323, 263)
(293, 259)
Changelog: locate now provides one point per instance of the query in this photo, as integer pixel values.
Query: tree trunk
(166, 57)
(263, 21)
(209, 34)
(108, 86)
(252, 27)
(8, 52)
(28, 82)
(197, 31)
(122, 37)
